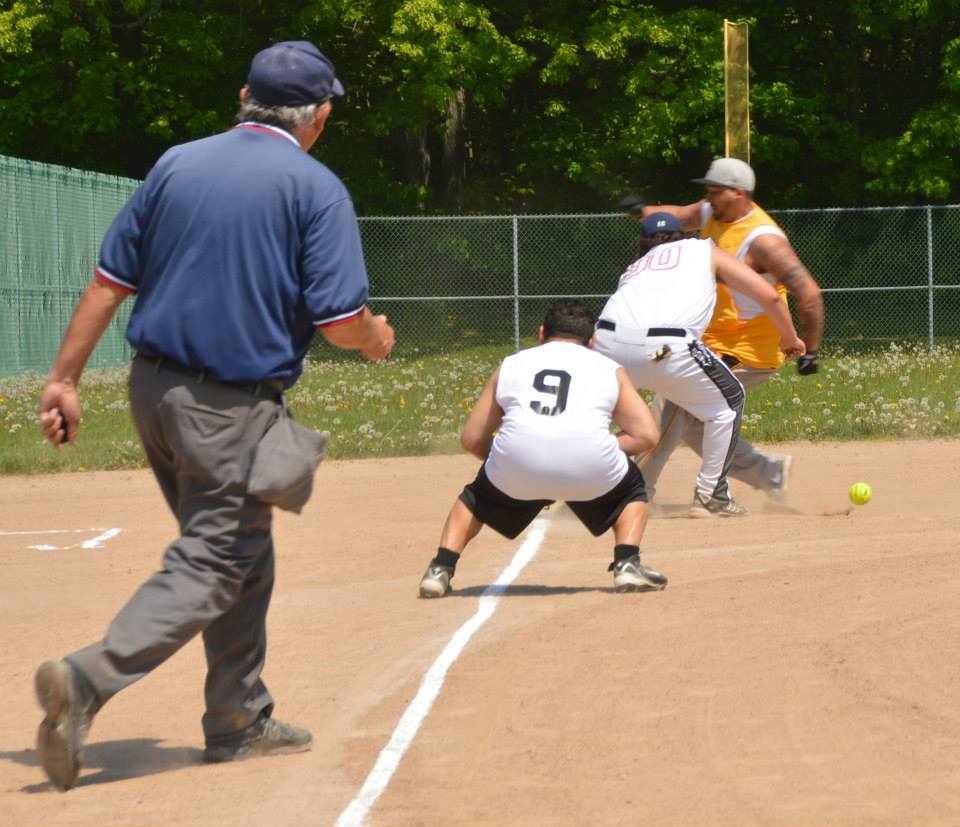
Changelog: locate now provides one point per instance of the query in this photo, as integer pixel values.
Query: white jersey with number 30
(555, 441)
(671, 286)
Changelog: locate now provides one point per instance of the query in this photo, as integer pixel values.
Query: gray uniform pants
(749, 464)
(217, 577)
(692, 376)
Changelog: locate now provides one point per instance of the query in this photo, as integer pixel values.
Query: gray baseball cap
(729, 172)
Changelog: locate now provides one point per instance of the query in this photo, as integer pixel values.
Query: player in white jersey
(551, 408)
(652, 326)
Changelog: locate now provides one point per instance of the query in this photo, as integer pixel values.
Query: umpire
(237, 247)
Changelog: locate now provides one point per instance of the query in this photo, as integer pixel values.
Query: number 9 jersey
(555, 442)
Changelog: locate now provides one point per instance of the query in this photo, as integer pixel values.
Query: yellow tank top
(739, 326)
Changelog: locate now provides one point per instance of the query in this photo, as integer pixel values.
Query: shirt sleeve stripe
(108, 277)
(340, 318)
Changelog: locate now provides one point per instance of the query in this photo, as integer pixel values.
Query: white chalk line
(389, 759)
(51, 531)
(94, 542)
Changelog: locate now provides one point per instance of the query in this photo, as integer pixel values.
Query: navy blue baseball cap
(292, 73)
(660, 222)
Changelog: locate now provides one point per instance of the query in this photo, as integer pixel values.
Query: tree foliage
(496, 106)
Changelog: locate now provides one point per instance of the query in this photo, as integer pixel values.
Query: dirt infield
(802, 668)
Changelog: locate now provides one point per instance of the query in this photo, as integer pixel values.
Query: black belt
(265, 389)
(679, 332)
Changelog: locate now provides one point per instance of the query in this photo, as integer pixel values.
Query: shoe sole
(785, 474)
(625, 588)
(431, 593)
(245, 755)
(57, 737)
(698, 513)
(780, 493)
(433, 588)
(636, 581)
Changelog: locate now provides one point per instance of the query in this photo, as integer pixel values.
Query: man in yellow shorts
(740, 332)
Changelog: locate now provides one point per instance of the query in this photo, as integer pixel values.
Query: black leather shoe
(265, 736)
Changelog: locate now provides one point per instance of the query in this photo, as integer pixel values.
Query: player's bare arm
(775, 255)
(737, 275)
(485, 418)
(371, 335)
(59, 411)
(689, 214)
(638, 430)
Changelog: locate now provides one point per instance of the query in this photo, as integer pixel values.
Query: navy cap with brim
(660, 222)
(292, 73)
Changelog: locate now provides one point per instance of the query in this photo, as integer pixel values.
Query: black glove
(632, 204)
(808, 364)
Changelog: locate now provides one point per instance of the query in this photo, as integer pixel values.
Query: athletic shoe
(265, 736)
(436, 581)
(69, 706)
(779, 490)
(630, 576)
(712, 507)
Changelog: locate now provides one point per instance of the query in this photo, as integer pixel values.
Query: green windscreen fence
(52, 220)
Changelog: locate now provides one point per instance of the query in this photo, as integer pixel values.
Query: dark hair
(648, 242)
(568, 319)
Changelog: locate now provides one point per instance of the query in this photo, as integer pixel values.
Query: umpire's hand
(369, 334)
(383, 338)
(59, 413)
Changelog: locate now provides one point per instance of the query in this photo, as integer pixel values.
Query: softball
(860, 493)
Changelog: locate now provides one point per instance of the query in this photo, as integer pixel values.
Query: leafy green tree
(417, 71)
(852, 102)
(107, 86)
(618, 95)
(495, 106)
(920, 163)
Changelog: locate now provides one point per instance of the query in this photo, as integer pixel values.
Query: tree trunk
(454, 153)
(415, 160)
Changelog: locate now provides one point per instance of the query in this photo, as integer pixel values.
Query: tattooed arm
(773, 254)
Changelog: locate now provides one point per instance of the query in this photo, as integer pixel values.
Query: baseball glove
(632, 204)
(808, 364)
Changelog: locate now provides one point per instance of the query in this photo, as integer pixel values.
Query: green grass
(413, 406)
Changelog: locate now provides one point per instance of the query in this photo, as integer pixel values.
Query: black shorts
(509, 517)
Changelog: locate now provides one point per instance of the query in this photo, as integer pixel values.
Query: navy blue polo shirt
(237, 247)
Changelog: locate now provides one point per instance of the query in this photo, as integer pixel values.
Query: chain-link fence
(889, 274)
(447, 283)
